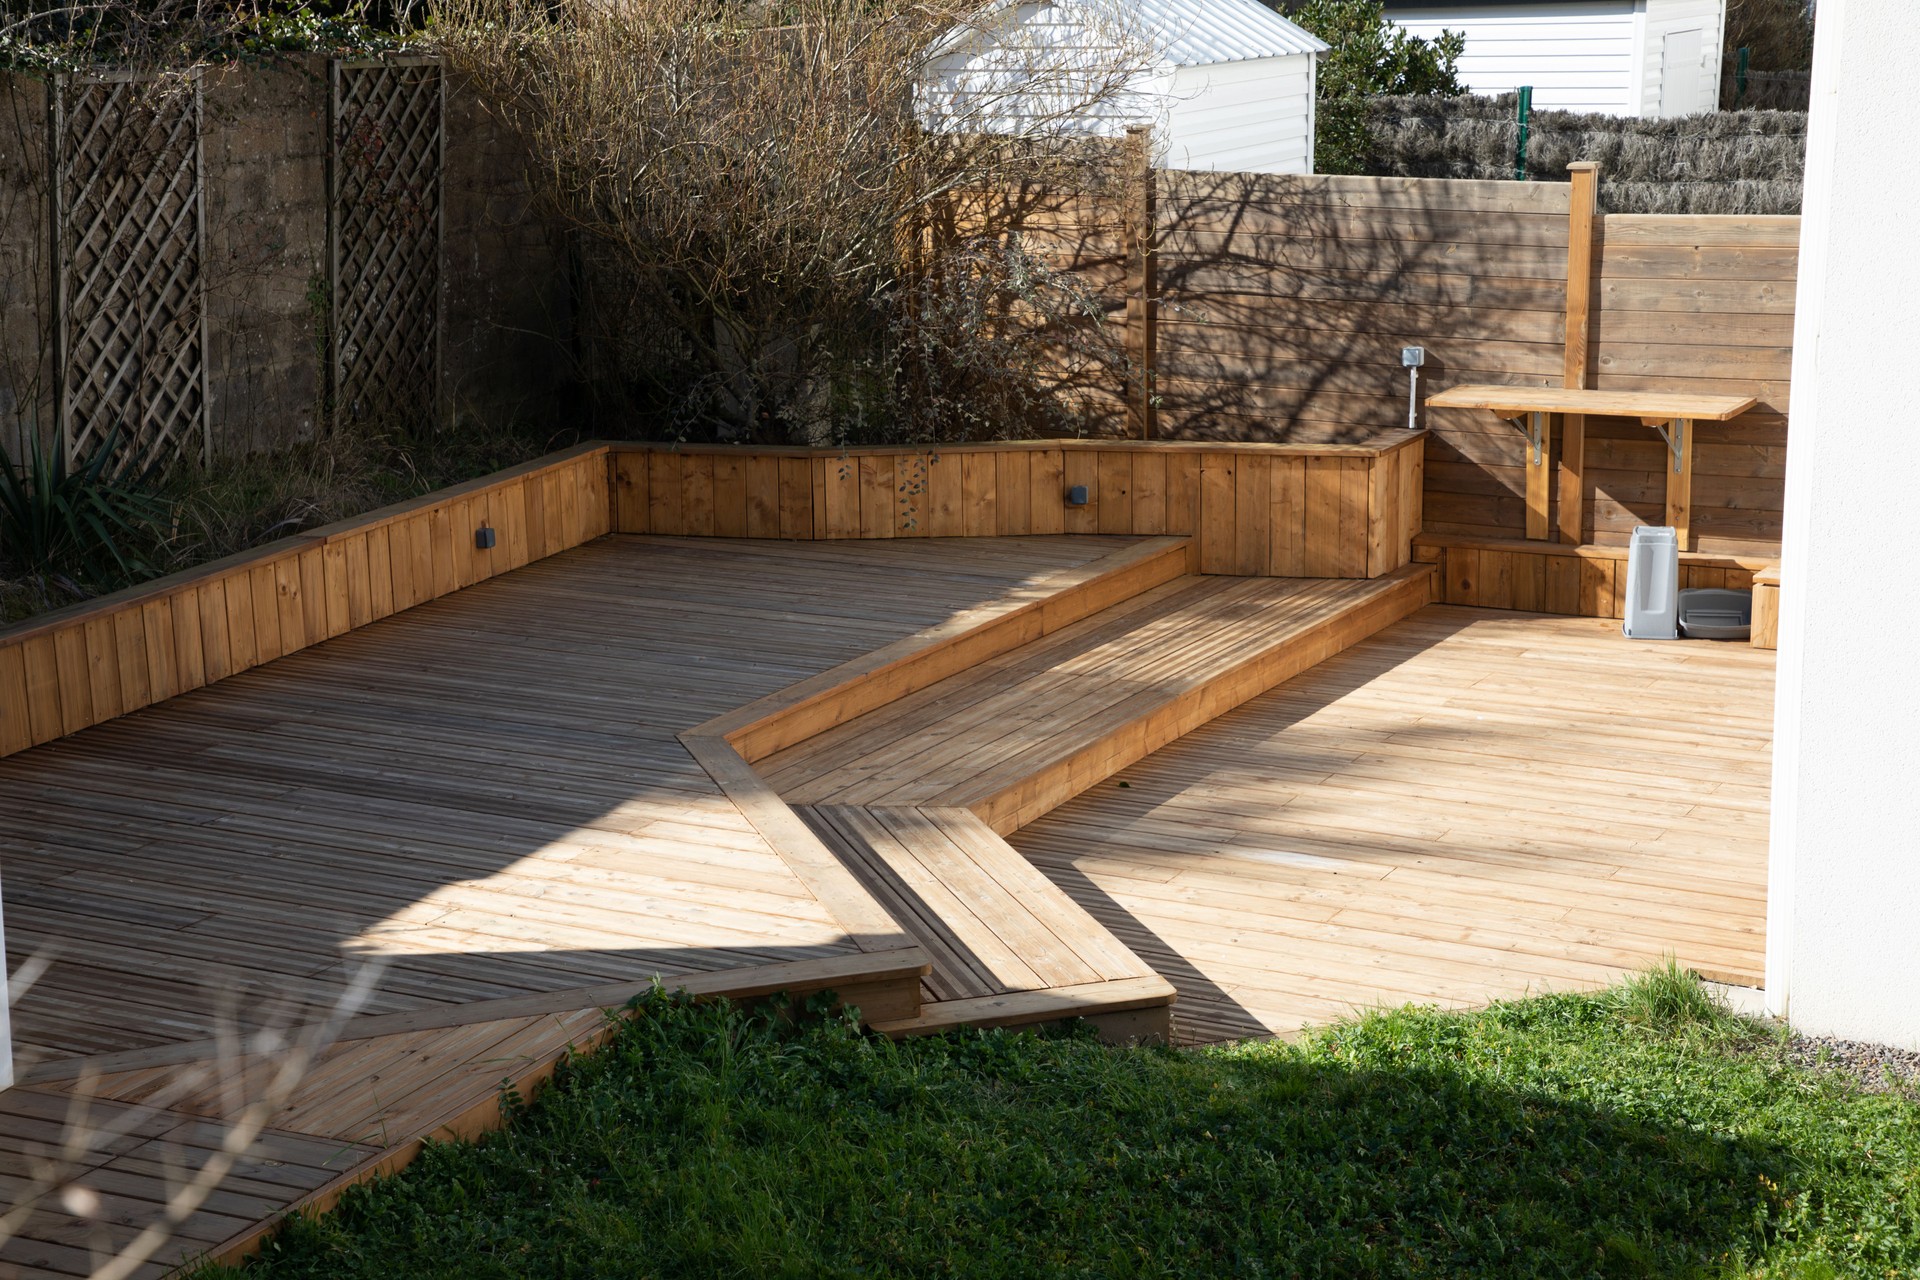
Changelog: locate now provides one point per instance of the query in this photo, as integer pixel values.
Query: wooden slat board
(1246, 502)
(487, 794)
(81, 666)
(1469, 805)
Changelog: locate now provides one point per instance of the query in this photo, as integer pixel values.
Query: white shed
(1650, 58)
(1227, 84)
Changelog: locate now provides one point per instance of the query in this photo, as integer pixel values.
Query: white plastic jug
(1653, 584)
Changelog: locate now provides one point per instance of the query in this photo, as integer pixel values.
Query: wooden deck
(485, 796)
(1472, 804)
(527, 799)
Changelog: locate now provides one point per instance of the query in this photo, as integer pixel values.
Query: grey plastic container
(1715, 613)
(1653, 584)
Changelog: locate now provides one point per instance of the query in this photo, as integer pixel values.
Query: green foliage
(173, 35)
(88, 525)
(1561, 1136)
(1370, 56)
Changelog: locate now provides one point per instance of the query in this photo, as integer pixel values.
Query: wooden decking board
(917, 793)
(1481, 848)
(491, 789)
(525, 796)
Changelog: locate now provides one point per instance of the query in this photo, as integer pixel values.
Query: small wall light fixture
(1411, 358)
(483, 538)
(1077, 496)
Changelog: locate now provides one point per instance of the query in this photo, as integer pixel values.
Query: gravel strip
(1876, 1068)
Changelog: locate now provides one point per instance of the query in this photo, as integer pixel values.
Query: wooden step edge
(816, 866)
(862, 971)
(1092, 1000)
(1388, 600)
(1433, 543)
(889, 984)
(814, 705)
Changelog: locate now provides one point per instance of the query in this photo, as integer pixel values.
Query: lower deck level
(486, 810)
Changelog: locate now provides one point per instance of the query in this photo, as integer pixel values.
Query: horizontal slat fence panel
(1330, 511)
(1284, 302)
(107, 657)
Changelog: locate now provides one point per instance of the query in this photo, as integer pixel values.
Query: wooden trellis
(384, 238)
(129, 236)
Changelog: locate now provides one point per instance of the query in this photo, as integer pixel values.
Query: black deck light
(483, 538)
(1077, 496)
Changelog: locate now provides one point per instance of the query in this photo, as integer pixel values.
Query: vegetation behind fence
(1736, 162)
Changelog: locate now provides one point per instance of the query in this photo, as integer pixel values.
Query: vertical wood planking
(1216, 513)
(1149, 492)
(1047, 480)
(1252, 515)
(1079, 467)
(697, 495)
(877, 472)
(730, 496)
(16, 715)
(43, 688)
(980, 494)
(796, 498)
(1183, 493)
(630, 473)
(665, 504)
(842, 497)
(946, 496)
(1287, 518)
(1013, 484)
(1113, 492)
(763, 496)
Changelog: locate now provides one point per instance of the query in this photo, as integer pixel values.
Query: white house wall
(1843, 890)
(1242, 117)
(1668, 17)
(1577, 57)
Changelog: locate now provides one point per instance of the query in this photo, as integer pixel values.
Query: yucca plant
(85, 524)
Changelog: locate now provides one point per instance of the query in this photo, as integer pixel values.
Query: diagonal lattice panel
(129, 241)
(385, 236)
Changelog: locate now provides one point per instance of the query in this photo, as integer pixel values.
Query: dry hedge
(1720, 162)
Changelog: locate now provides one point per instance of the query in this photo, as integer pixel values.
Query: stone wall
(504, 301)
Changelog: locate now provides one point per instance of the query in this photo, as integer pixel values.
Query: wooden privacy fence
(1339, 512)
(1275, 307)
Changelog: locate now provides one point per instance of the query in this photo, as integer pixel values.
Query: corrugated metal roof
(1191, 32)
(1198, 32)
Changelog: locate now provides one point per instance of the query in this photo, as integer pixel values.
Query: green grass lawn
(1638, 1132)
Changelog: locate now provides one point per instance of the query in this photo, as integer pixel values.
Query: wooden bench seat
(1016, 736)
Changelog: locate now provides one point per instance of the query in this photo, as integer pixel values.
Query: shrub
(1370, 57)
(79, 528)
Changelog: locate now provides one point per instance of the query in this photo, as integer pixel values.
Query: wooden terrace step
(915, 796)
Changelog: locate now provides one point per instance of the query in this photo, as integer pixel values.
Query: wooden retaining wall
(1331, 512)
(1320, 511)
(1583, 581)
(104, 658)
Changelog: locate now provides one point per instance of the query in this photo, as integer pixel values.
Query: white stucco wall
(1843, 930)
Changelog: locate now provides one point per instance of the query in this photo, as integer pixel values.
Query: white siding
(1670, 18)
(1577, 57)
(1242, 117)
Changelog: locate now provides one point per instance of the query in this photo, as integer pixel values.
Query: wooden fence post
(1142, 337)
(1583, 201)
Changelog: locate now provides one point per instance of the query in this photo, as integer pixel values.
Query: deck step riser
(1033, 797)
